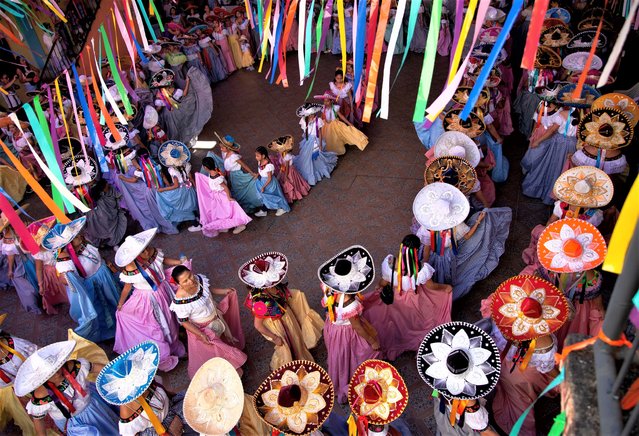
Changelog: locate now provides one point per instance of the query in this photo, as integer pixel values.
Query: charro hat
(174, 154)
(606, 128)
(69, 146)
(489, 35)
(38, 229)
(473, 126)
(349, 272)
(577, 61)
(80, 171)
(459, 360)
(559, 13)
(150, 117)
(621, 102)
(571, 245)
(41, 366)
(62, 234)
(162, 79)
(463, 92)
(556, 36)
(264, 271)
(281, 144)
(582, 41)
(588, 95)
(308, 109)
(440, 206)
(295, 399)
(133, 246)
(546, 57)
(229, 142)
(584, 186)
(448, 142)
(452, 170)
(111, 143)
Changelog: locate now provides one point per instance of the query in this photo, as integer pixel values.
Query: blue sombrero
(62, 234)
(125, 378)
(559, 13)
(174, 154)
(588, 95)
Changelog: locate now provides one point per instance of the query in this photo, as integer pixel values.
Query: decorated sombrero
(592, 77)
(577, 61)
(197, 27)
(490, 35)
(547, 57)
(377, 392)
(214, 401)
(38, 230)
(308, 109)
(174, 154)
(559, 13)
(41, 366)
(133, 246)
(459, 360)
(593, 23)
(584, 186)
(607, 129)
(556, 36)
(571, 245)
(282, 144)
(622, 103)
(152, 49)
(582, 41)
(162, 79)
(453, 170)
(228, 142)
(457, 144)
(440, 206)
(482, 51)
(126, 377)
(526, 307)
(62, 234)
(295, 399)
(473, 126)
(549, 93)
(588, 95)
(69, 146)
(264, 271)
(111, 143)
(551, 22)
(349, 272)
(463, 92)
(80, 171)
(327, 95)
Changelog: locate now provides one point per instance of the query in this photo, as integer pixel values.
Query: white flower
(80, 174)
(580, 245)
(464, 379)
(262, 279)
(350, 281)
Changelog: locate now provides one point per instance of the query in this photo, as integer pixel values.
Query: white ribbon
(105, 91)
(397, 27)
(616, 51)
(300, 40)
(138, 18)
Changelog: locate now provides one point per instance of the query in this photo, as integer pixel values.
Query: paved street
(367, 201)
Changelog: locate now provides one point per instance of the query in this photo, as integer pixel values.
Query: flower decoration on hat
(350, 271)
(463, 92)
(440, 206)
(584, 186)
(473, 126)
(571, 245)
(265, 270)
(309, 109)
(620, 102)
(606, 128)
(174, 154)
(588, 95)
(556, 36)
(80, 171)
(526, 307)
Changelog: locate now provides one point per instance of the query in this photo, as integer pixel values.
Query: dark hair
(98, 189)
(411, 241)
(339, 72)
(262, 150)
(178, 271)
(412, 244)
(209, 163)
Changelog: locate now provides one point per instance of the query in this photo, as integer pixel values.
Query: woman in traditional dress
(350, 339)
(60, 389)
(177, 200)
(281, 315)
(240, 176)
(213, 329)
(232, 33)
(267, 186)
(212, 56)
(146, 314)
(20, 141)
(106, 222)
(338, 131)
(220, 36)
(219, 212)
(313, 161)
(343, 92)
(18, 267)
(291, 181)
(407, 303)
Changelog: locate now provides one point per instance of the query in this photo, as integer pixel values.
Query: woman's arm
(344, 119)
(39, 274)
(360, 330)
(124, 295)
(268, 180)
(227, 191)
(40, 427)
(547, 134)
(128, 179)
(258, 323)
(169, 261)
(246, 167)
(442, 287)
(11, 261)
(473, 229)
(221, 291)
(186, 87)
(172, 187)
(552, 219)
(196, 331)
(480, 195)
(494, 133)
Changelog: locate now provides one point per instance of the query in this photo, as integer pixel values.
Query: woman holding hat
(293, 184)
(338, 130)
(313, 161)
(281, 315)
(60, 389)
(213, 329)
(177, 200)
(267, 186)
(407, 303)
(156, 136)
(350, 339)
(146, 314)
(240, 176)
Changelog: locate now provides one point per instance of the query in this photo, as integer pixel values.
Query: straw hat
(377, 392)
(584, 186)
(571, 245)
(4, 220)
(38, 230)
(41, 366)
(582, 41)
(526, 307)
(133, 246)
(62, 234)
(111, 143)
(452, 170)
(440, 206)
(350, 271)
(449, 143)
(80, 171)
(162, 79)
(150, 117)
(308, 109)
(556, 36)
(282, 144)
(174, 154)
(296, 398)
(607, 129)
(129, 375)
(229, 142)
(264, 271)
(620, 102)
(459, 360)
(214, 400)
(473, 126)
(588, 95)
(559, 13)
(577, 61)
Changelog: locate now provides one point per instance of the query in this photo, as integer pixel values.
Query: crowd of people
(484, 375)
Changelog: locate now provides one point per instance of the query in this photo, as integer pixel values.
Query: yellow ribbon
(468, 21)
(12, 351)
(528, 355)
(342, 32)
(267, 30)
(2, 90)
(64, 117)
(623, 231)
(157, 425)
(55, 11)
(352, 426)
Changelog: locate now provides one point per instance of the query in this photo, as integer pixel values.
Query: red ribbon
(74, 383)
(4, 377)
(534, 33)
(62, 398)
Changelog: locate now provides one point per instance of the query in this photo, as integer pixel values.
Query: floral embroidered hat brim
(349, 272)
(607, 129)
(460, 360)
(264, 271)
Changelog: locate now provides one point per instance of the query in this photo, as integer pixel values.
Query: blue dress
(499, 174)
(241, 184)
(178, 205)
(312, 162)
(272, 197)
(216, 70)
(428, 136)
(82, 309)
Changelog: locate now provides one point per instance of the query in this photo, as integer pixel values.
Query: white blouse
(199, 307)
(138, 281)
(46, 257)
(341, 92)
(179, 175)
(343, 312)
(596, 218)
(216, 184)
(10, 248)
(268, 168)
(544, 362)
(408, 283)
(159, 402)
(10, 365)
(615, 166)
(230, 162)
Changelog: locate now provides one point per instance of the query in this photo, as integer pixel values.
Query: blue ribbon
(488, 66)
(146, 277)
(520, 422)
(135, 41)
(278, 37)
(15, 204)
(358, 62)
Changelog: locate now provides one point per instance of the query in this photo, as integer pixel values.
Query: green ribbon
(115, 73)
(429, 62)
(560, 424)
(147, 21)
(308, 44)
(318, 38)
(260, 19)
(157, 15)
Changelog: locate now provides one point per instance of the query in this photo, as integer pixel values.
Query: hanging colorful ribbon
(341, 22)
(459, 13)
(520, 422)
(301, 26)
(278, 41)
(576, 94)
(290, 18)
(155, 421)
(428, 65)
(397, 27)
(147, 21)
(458, 47)
(374, 62)
(623, 231)
(11, 36)
(412, 23)
(154, 11)
(138, 19)
(260, 19)
(321, 28)
(106, 92)
(267, 22)
(360, 45)
(371, 34)
(114, 72)
(75, 110)
(308, 41)
(490, 62)
(616, 50)
(53, 6)
(534, 33)
(16, 223)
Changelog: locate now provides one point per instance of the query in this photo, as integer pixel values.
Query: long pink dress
(227, 55)
(217, 212)
(226, 337)
(415, 310)
(293, 184)
(54, 291)
(346, 349)
(146, 314)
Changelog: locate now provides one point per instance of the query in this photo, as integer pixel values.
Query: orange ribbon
(632, 396)
(584, 74)
(621, 342)
(109, 121)
(374, 65)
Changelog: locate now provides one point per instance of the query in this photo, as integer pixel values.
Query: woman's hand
(204, 339)
(278, 341)
(262, 189)
(375, 345)
(481, 216)
(10, 274)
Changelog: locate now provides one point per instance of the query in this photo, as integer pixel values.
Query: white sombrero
(457, 144)
(264, 271)
(150, 117)
(41, 366)
(577, 61)
(440, 206)
(584, 186)
(133, 246)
